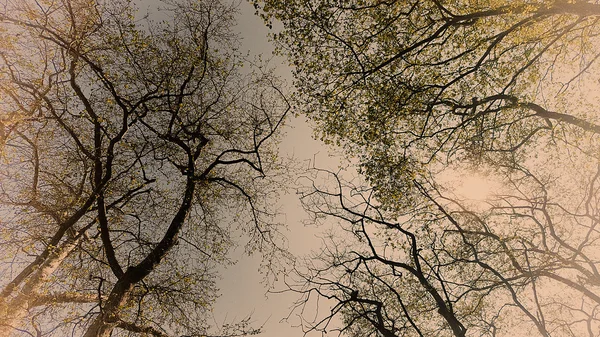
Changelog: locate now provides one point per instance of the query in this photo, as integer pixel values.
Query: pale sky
(241, 289)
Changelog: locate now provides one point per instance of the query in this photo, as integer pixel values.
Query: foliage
(434, 80)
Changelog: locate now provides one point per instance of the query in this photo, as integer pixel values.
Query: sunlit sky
(471, 186)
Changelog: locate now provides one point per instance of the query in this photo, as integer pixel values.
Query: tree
(412, 87)
(132, 148)
(378, 291)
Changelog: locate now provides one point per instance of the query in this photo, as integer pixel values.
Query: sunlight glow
(474, 187)
(469, 185)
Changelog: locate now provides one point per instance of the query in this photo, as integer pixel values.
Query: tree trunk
(108, 318)
(104, 323)
(13, 310)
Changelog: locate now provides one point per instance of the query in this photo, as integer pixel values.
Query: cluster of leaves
(429, 80)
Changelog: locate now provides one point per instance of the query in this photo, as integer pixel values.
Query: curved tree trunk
(104, 323)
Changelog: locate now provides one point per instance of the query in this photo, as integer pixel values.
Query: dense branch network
(128, 145)
(446, 268)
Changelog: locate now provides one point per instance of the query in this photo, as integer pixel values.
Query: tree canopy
(416, 88)
(132, 146)
(439, 79)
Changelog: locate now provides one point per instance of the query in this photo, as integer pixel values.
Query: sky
(242, 293)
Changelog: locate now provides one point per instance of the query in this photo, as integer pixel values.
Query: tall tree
(132, 148)
(410, 87)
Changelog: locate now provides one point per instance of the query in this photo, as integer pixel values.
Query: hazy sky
(242, 292)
